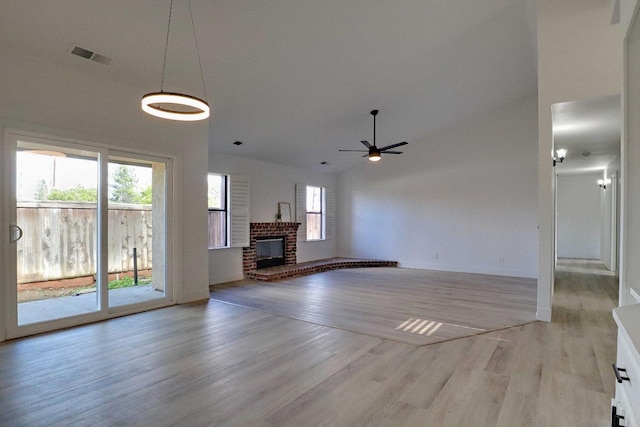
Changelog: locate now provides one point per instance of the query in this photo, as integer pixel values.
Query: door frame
(614, 223)
(9, 321)
(168, 266)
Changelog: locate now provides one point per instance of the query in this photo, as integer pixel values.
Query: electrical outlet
(501, 260)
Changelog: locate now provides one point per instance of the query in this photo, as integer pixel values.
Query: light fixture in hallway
(602, 183)
(560, 155)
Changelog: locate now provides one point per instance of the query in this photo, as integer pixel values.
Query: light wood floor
(220, 364)
(416, 307)
(578, 265)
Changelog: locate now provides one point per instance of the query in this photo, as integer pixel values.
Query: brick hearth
(270, 229)
(271, 274)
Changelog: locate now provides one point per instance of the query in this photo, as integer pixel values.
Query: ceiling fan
(374, 153)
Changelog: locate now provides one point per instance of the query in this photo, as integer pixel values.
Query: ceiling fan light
(375, 153)
(160, 104)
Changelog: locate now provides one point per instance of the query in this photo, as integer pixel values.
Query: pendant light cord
(166, 48)
(193, 27)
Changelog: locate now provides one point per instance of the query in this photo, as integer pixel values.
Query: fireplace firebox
(266, 230)
(270, 251)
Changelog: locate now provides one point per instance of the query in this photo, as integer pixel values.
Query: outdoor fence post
(135, 265)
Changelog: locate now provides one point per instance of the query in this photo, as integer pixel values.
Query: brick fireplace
(260, 230)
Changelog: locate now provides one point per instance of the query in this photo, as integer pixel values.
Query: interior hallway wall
(579, 216)
(610, 241)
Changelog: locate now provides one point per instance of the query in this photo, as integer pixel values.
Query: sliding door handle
(15, 233)
(615, 418)
(619, 377)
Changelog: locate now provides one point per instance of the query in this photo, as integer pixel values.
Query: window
(314, 212)
(315, 230)
(228, 211)
(217, 195)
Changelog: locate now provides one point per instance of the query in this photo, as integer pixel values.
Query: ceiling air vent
(90, 55)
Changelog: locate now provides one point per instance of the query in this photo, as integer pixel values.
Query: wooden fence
(60, 239)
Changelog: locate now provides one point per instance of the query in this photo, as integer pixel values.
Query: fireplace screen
(270, 252)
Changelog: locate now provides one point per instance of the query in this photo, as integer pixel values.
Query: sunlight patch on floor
(428, 327)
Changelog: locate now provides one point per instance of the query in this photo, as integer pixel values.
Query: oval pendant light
(172, 105)
(175, 106)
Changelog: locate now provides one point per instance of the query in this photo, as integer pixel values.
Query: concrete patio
(56, 308)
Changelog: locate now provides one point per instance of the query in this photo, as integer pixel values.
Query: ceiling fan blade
(359, 151)
(366, 144)
(391, 152)
(399, 144)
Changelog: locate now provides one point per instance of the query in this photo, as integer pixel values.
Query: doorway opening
(587, 185)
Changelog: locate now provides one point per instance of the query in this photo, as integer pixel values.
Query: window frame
(321, 214)
(225, 209)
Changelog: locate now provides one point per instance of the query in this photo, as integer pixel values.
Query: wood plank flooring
(217, 364)
(575, 265)
(416, 307)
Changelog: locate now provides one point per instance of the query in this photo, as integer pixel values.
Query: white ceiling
(590, 131)
(295, 79)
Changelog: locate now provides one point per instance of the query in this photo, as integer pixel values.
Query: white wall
(605, 225)
(606, 216)
(461, 200)
(611, 216)
(579, 216)
(630, 268)
(579, 56)
(269, 184)
(41, 96)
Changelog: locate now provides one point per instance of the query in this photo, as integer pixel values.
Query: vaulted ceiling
(294, 80)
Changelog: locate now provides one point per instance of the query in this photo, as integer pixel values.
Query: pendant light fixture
(172, 105)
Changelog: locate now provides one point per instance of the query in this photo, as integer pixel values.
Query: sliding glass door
(137, 224)
(54, 231)
(87, 233)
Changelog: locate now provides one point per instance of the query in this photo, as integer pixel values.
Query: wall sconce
(561, 154)
(602, 183)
